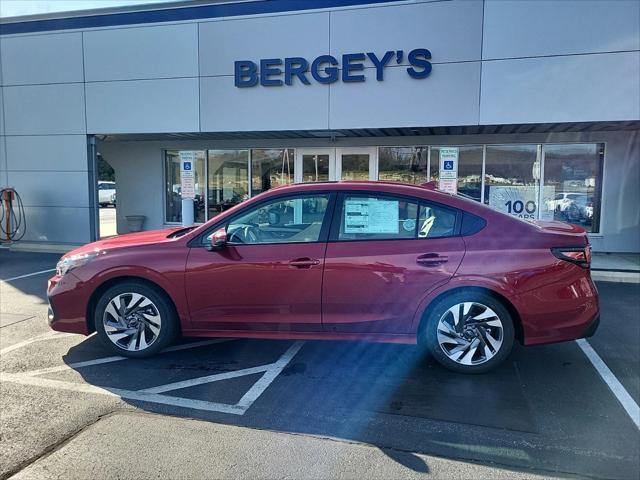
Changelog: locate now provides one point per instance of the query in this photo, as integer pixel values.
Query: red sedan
(341, 261)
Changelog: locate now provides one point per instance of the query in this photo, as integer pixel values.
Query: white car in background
(106, 193)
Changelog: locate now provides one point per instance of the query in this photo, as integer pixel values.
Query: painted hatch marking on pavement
(154, 395)
(627, 402)
(27, 275)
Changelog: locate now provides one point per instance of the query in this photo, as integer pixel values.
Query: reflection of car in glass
(106, 193)
(574, 207)
(338, 261)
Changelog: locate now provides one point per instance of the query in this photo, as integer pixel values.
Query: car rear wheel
(469, 332)
(135, 320)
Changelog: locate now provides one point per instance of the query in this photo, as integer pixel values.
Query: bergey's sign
(275, 72)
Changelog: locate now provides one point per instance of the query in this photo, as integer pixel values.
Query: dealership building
(530, 107)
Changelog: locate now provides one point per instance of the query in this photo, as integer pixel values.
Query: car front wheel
(135, 320)
(469, 332)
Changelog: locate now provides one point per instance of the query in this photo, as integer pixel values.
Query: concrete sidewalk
(616, 267)
(156, 446)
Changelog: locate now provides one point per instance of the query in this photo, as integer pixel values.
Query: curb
(615, 276)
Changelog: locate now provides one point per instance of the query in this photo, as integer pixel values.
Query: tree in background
(105, 171)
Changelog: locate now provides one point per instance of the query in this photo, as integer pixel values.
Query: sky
(14, 8)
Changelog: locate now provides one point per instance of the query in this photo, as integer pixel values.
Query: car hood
(126, 240)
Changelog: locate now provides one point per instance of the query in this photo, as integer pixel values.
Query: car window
(291, 220)
(372, 217)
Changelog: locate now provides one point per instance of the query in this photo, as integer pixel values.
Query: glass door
(357, 163)
(315, 165)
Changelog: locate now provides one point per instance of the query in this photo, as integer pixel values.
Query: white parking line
(154, 394)
(117, 358)
(27, 275)
(39, 338)
(630, 406)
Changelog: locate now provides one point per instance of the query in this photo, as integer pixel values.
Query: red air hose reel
(13, 224)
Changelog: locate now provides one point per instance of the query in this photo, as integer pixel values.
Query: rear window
(382, 217)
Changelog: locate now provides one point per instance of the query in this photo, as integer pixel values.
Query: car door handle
(431, 259)
(304, 262)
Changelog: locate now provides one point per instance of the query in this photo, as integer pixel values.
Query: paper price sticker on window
(370, 215)
(187, 175)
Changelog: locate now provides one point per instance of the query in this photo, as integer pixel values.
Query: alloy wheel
(470, 333)
(132, 321)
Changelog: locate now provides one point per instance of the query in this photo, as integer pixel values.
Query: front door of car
(268, 277)
(383, 255)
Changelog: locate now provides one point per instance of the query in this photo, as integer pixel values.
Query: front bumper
(68, 298)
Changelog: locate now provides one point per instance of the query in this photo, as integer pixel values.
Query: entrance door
(357, 163)
(315, 165)
(331, 164)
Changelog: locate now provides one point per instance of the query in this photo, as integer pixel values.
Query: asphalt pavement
(264, 409)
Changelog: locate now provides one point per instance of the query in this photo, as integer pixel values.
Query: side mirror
(218, 240)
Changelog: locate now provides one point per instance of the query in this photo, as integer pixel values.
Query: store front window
(271, 168)
(574, 173)
(512, 179)
(228, 179)
(403, 164)
(173, 199)
(529, 181)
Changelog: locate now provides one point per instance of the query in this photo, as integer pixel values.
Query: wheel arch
(107, 284)
(517, 321)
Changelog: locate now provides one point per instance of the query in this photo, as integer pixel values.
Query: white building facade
(537, 102)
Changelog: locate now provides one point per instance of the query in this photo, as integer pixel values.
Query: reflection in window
(271, 168)
(512, 176)
(290, 220)
(469, 170)
(173, 199)
(403, 164)
(355, 166)
(574, 173)
(228, 182)
(315, 167)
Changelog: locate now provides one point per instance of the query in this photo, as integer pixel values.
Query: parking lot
(254, 408)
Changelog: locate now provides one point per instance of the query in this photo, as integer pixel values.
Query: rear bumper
(562, 311)
(592, 328)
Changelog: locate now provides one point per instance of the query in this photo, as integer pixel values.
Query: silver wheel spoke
(470, 333)
(132, 321)
(467, 357)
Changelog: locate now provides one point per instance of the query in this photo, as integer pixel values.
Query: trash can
(135, 222)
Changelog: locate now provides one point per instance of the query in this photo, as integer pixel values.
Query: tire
(492, 334)
(149, 325)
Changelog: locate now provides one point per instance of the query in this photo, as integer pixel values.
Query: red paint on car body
(370, 290)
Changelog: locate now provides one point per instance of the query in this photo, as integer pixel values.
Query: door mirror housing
(217, 240)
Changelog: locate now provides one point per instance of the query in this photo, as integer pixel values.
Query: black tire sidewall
(168, 327)
(430, 336)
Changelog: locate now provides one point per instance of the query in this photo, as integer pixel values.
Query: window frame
(334, 232)
(198, 241)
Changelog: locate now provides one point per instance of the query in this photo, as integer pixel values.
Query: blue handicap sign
(448, 164)
(186, 166)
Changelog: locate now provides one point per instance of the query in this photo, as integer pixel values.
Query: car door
(269, 275)
(384, 253)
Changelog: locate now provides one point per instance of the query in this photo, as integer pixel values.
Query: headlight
(74, 261)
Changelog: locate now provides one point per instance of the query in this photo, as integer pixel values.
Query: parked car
(106, 193)
(573, 207)
(369, 261)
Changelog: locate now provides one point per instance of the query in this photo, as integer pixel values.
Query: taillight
(581, 256)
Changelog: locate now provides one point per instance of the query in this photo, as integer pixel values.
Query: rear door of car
(385, 252)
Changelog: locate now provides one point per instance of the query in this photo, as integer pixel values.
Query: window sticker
(370, 215)
(409, 225)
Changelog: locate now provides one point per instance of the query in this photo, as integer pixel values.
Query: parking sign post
(187, 187)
